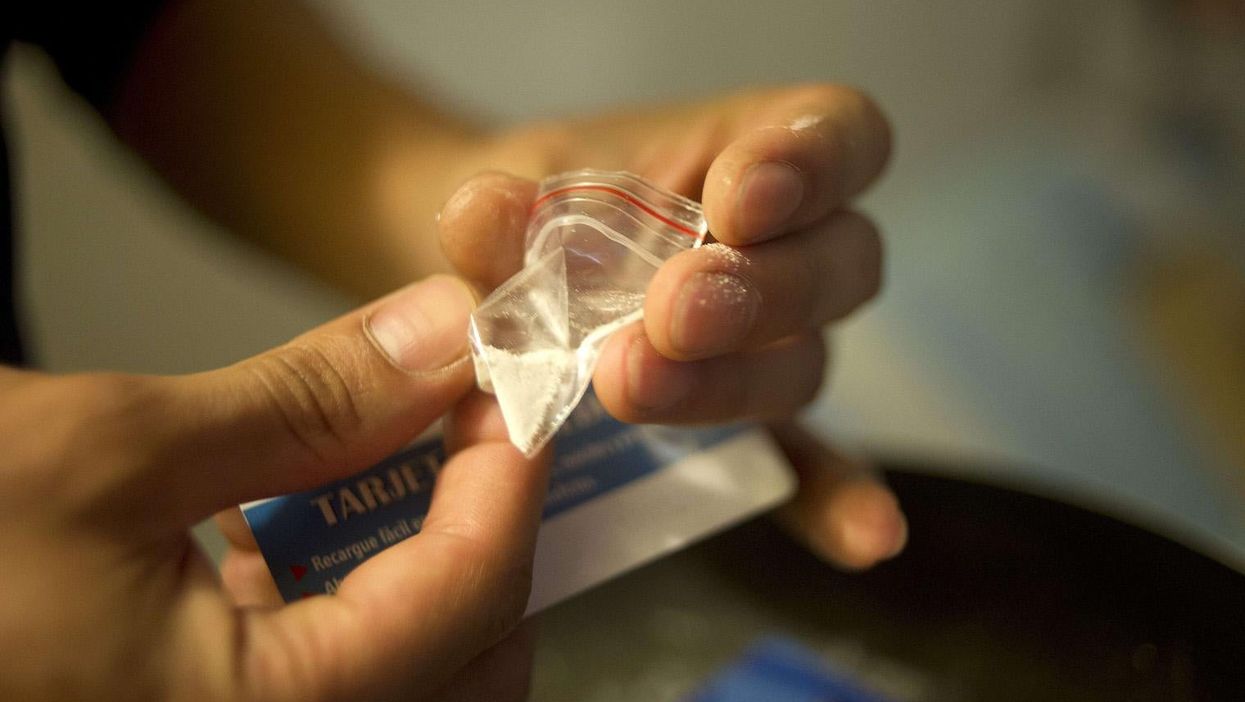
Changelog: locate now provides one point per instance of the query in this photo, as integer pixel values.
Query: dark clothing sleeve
(93, 45)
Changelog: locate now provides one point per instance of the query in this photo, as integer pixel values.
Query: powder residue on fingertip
(727, 257)
(805, 122)
(731, 290)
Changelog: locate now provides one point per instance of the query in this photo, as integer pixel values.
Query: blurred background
(1065, 218)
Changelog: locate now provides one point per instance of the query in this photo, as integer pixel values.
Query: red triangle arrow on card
(298, 571)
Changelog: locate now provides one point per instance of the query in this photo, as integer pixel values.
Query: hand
(731, 330)
(104, 595)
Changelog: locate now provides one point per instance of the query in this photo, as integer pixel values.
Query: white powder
(723, 291)
(806, 122)
(530, 387)
(727, 257)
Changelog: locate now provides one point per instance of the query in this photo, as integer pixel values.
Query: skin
(105, 473)
(254, 115)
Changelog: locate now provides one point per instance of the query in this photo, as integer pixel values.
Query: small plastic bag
(594, 241)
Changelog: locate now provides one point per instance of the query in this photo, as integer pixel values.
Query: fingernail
(654, 382)
(424, 326)
(713, 314)
(769, 194)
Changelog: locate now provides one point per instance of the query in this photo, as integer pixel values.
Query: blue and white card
(619, 495)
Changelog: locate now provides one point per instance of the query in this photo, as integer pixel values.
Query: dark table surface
(1000, 595)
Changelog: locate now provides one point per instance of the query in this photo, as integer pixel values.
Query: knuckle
(312, 394)
(811, 356)
(84, 436)
(521, 590)
(801, 364)
(870, 254)
(98, 415)
(492, 587)
(513, 587)
(110, 410)
(845, 272)
(114, 434)
(810, 278)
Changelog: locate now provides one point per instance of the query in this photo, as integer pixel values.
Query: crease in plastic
(594, 241)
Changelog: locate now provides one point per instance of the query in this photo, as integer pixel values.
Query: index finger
(797, 160)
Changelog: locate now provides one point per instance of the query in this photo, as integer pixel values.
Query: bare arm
(254, 114)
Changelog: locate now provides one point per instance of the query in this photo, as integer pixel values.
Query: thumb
(327, 404)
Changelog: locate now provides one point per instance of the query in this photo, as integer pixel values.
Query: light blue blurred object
(1006, 281)
(781, 670)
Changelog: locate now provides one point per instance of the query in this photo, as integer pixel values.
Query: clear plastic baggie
(593, 243)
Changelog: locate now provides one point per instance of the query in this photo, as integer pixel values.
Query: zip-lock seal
(594, 241)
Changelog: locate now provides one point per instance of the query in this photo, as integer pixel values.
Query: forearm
(255, 115)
